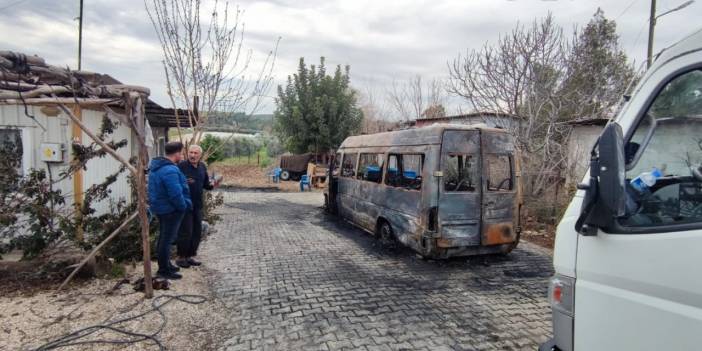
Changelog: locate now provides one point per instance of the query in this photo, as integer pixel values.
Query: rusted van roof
(415, 136)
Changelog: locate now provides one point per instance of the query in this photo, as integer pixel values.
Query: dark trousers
(190, 233)
(168, 231)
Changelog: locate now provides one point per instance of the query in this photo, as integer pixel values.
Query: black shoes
(193, 262)
(182, 262)
(170, 275)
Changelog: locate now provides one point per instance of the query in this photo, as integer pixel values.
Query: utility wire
(626, 9)
(12, 4)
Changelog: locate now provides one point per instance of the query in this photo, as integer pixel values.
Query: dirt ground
(541, 238)
(31, 319)
(539, 233)
(245, 177)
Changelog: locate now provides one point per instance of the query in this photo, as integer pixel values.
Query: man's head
(194, 154)
(174, 151)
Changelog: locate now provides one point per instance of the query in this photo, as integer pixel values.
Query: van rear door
(460, 189)
(499, 189)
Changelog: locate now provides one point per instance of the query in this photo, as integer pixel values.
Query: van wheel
(285, 175)
(385, 235)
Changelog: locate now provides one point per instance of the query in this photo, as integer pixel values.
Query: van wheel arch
(385, 233)
(513, 245)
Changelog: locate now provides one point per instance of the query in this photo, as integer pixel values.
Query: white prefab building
(46, 136)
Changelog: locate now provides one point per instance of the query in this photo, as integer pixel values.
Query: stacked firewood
(30, 77)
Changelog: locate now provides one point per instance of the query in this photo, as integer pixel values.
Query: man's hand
(217, 180)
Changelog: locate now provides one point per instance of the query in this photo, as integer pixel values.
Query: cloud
(381, 40)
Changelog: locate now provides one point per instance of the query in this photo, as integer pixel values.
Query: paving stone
(294, 278)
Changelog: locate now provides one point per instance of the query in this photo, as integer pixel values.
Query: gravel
(29, 321)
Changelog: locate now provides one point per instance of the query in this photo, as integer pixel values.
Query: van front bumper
(549, 346)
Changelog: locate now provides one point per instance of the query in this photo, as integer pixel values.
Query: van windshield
(461, 172)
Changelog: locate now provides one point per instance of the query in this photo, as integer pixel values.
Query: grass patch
(259, 158)
(116, 270)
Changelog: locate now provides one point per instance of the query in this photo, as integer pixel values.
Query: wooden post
(136, 114)
(77, 135)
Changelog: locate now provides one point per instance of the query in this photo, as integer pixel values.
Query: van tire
(385, 234)
(285, 175)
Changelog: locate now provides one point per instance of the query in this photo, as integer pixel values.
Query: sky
(382, 41)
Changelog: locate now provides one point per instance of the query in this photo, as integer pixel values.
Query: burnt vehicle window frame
(355, 165)
(486, 167)
(476, 161)
(361, 174)
(399, 157)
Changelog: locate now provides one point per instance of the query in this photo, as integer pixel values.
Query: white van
(628, 252)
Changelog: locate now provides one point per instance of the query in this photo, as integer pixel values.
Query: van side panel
(405, 219)
(346, 197)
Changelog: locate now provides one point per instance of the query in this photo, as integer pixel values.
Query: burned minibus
(443, 190)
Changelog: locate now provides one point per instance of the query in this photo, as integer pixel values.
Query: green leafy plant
(212, 147)
(212, 200)
(316, 111)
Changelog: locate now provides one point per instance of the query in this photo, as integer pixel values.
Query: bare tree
(206, 65)
(376, 117)
(519, 79)
(540, 80)
(411, 99)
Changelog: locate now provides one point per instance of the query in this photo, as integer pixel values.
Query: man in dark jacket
(191, 226)
(169, 199)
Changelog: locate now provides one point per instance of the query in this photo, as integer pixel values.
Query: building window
(11, 149)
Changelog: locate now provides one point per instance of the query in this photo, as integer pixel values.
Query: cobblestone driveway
(294, 278)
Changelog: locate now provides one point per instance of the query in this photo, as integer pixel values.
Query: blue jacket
(168, 191)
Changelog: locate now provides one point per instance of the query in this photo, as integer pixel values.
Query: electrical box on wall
(51, 152)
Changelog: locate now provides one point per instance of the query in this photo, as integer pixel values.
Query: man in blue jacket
(169, 199)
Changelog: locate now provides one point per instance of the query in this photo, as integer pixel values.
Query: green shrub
(213, 148)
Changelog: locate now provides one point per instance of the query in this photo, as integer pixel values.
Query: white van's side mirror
(612, 172)
(605, 196)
